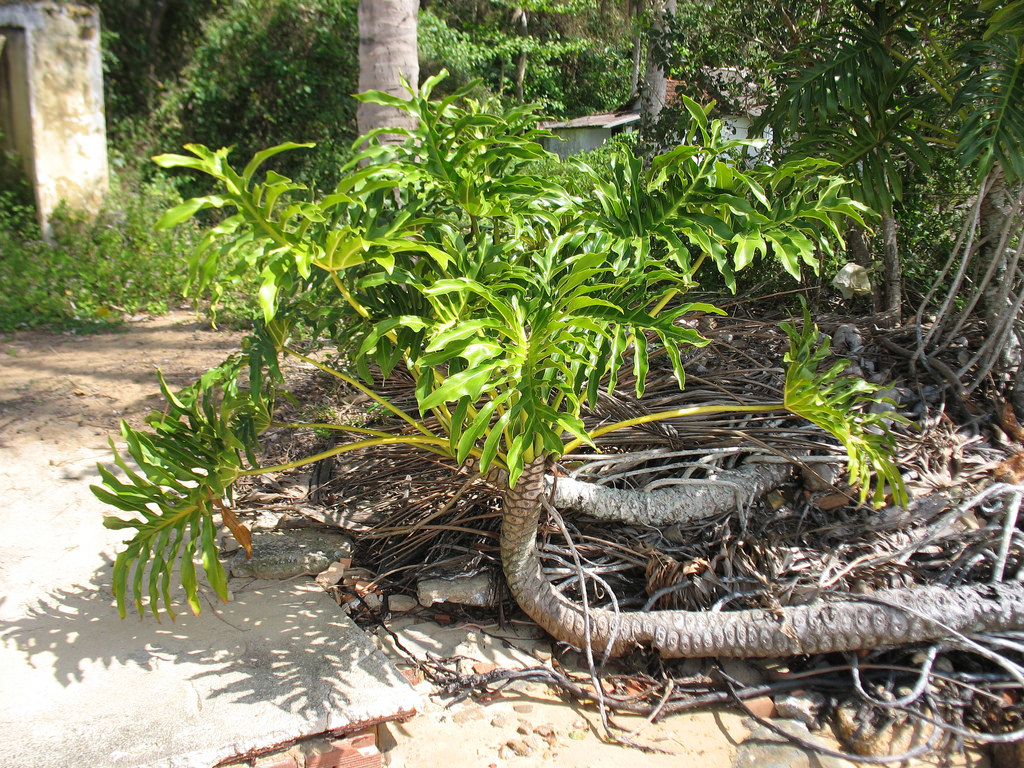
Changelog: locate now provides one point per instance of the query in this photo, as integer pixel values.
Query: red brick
(357, 750)
(362, 739)
(346, 756)
(278, 760)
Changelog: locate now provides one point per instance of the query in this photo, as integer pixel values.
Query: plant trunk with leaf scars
(886, 618)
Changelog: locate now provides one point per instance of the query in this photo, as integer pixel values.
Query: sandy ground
(63, 395)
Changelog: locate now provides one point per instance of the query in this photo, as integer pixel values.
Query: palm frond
(993, 133)
(1007, 17)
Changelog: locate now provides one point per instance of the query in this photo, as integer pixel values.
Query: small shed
(583, 134)
(739, 103)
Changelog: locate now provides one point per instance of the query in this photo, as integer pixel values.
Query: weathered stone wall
(51, 101)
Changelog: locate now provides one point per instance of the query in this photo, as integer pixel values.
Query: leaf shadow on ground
(279, 644)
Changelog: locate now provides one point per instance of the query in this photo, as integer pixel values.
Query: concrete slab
(278, 663)
(81, 688)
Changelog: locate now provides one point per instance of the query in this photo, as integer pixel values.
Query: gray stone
(805, 706)
(226, 541)
(765, 749)
(747, 672)
(401, 603)
(883, 407)
(284, 555)
(277, 664)
(820, 476)
(847, 338)
(479, 590)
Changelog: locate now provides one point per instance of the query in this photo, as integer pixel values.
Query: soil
(63, 395)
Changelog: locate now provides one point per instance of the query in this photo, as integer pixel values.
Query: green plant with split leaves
(510, 299)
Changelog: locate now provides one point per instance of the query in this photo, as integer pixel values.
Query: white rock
(804, 706)
(479, 590)
(401, 603)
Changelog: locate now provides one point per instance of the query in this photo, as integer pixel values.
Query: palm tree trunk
(638, 49)
(520, 22)
(387, 52)
(888, 617)
(654, 90)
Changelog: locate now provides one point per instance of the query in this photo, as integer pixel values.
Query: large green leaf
(839, 405)
(510, 297)
(993, 133)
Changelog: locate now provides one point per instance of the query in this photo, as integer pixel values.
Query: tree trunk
(885, 618)
(860, 254)
(638, 48)
(387, 52)
(994, 251)
(153, 38)
(891, 264)
(654, 90)
(520, 21)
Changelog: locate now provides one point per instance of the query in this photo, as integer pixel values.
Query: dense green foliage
(915, 80)
(892, 90)
(511, 299)
(96, 271)
(245, 73)
(146, 43)
(574, 54)
(17, 205)
(268, 71)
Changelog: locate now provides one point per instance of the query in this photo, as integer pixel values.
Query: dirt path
(68, 392)
(63, 395)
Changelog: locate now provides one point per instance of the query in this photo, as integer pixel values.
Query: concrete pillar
(51, 102)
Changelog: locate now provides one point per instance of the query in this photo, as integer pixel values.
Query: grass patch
(98, 270)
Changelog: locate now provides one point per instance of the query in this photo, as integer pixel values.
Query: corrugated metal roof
(602, 120)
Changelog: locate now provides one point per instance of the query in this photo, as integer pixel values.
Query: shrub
(97, 269)
(17, 201)
(269, 70)
(509, 299)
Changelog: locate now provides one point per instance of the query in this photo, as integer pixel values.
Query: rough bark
(638, 49)
(387, 52)
(888, 617)
(654, 90)
(998, 292)
(520, 22)
(891, 265)
(670, 505)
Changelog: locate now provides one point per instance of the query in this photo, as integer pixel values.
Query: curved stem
(695, 410)
(365, 390)
(851, 622)
(669, 295)
(359, 308)
(334, 427)
(434, 445)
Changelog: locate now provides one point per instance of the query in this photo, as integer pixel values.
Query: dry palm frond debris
(417, 516)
